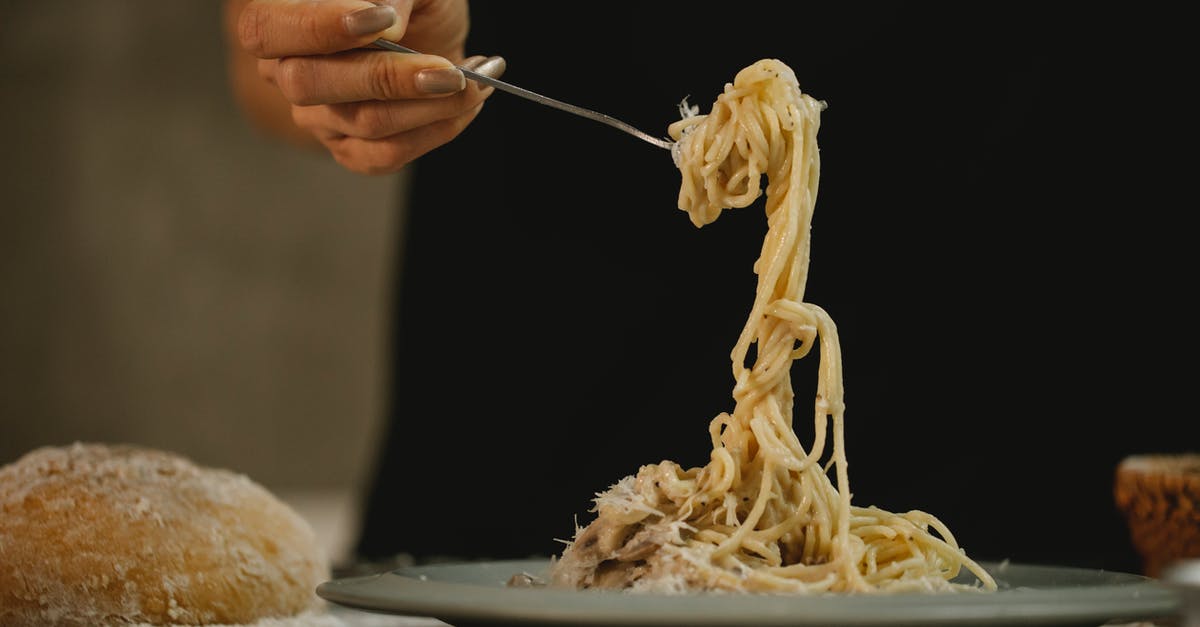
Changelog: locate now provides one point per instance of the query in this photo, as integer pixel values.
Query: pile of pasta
(763, 515)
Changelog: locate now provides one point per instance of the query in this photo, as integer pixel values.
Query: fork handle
(540, 99)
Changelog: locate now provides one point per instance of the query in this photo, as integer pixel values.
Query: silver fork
(538, 98)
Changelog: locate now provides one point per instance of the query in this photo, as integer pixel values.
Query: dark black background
(1003, 237)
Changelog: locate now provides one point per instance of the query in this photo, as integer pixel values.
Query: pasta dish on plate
(764, 514)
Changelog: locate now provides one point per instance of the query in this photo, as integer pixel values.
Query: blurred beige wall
(168, 276)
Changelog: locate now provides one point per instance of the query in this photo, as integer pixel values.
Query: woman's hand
(375, 111)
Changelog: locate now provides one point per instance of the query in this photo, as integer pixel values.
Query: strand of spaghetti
(764, 513)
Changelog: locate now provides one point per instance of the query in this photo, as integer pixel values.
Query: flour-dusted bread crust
(94, 534)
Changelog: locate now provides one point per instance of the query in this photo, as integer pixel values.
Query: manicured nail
(493, 67)
(472, 62)
(442, 80)
(372, 20)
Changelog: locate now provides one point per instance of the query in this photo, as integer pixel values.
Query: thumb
(270, 29)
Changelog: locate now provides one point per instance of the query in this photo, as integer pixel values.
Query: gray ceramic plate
(476, 594)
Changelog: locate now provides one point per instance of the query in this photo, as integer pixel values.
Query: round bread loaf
(92, 534)
(1159, 496)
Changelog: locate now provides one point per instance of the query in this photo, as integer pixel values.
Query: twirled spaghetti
(763, 514)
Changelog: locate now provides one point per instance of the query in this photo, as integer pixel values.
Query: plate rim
(412, 591)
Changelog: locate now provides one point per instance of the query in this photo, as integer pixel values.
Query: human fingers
(390, 154)
(377, 119)
(366, 75)
(435, 26)
(270, 29)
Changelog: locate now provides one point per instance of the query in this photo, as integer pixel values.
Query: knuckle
(305, 117)
(375, 122)
(294, 76)
(266, 69)
(390, 157)
(369, 166)
(349, 161)
(344, 156)
(386, 80)
(372, 159)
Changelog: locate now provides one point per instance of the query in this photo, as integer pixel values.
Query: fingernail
(473, 62)
(372, 20)
(493, 67)
(442, 80)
